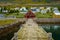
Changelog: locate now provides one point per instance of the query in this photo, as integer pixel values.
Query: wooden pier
(31, 31)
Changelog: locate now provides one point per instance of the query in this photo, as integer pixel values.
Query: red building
(29, 14)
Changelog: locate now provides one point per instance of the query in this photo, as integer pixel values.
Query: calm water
(53, 28)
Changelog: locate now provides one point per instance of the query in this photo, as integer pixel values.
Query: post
(50, 36)
(15, 37)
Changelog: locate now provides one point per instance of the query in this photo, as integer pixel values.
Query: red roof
(29, 14)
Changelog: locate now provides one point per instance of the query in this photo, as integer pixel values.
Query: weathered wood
(31, 31)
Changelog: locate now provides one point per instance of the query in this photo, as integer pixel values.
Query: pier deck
(31, 31)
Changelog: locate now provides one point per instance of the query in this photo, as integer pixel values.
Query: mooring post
(15, 37)
(49, 36)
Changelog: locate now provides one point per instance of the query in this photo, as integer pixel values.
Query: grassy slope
(4, 22)
(46, 15)
(25, 1)
(19, 15)
(38, 15)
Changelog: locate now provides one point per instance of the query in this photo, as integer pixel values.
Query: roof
(29, 14)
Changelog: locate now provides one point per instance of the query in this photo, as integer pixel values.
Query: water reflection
(53, 28)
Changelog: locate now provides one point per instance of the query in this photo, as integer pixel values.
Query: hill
(30, 1)
(23, 2)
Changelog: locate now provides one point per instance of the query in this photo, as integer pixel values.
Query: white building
(48, 9)
(17, 8)
(44, 11)
(5, 11)
(56, 11)
(42, 8)
(23, 10)
(35, 9)
(38, 10)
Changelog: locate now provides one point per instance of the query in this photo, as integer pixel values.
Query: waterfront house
(48, 9)
(43, 11)
(30, 14)
(5, 11)
(17, 8)
(35, 9)
(23, 10)
(42, 8)
(56, 11)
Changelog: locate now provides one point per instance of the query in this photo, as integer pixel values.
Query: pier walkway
(31, 31)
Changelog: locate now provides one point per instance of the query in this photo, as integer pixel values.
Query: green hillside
(14, 3)
(30, 1)
(6, 0)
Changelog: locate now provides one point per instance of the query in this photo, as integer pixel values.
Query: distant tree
(11, 11)
(59, 8)
(4, 8)
(17, 11)
(1, 11)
